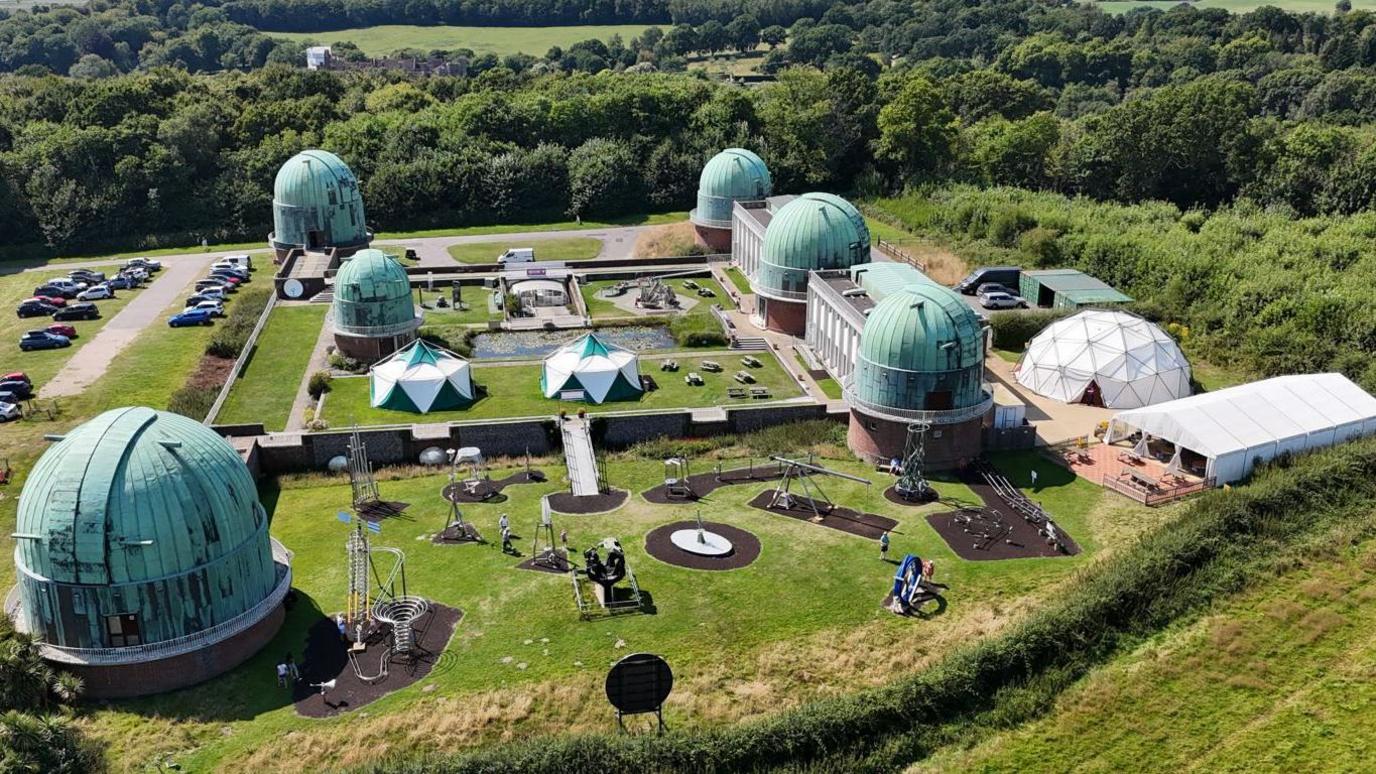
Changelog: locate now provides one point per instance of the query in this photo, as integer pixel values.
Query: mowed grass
(1276, 679)
(803, 621)
(1325, 7)
(566, 249)
(43, 365)
(738, 279)
(267, 388)
(476, 298)
(600, 307)
(386, 38)
(514, 391)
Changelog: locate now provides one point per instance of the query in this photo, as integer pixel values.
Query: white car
(9, 412)
(245, 260)
(999, 300)
(213, 293)
(95, 293)
(216, 308)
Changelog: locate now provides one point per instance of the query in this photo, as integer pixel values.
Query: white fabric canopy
(1133, 362)
(420, 372)
(593, 364)
(1239, 426)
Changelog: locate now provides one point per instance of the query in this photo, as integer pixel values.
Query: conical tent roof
(603, 371)
(421, 378)
(1133, 362)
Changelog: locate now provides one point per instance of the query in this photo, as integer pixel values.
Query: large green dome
(814, 231)
(316, 204)
(735, 174)
(372, 296)
(144, 513)
(921, 340)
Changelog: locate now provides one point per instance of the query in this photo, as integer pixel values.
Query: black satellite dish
(638, 684)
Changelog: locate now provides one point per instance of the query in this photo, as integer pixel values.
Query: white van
(517, 255)
(245, 260)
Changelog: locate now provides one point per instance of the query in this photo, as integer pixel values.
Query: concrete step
(749, 343)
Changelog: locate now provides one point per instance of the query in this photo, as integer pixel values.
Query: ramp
(579, 457)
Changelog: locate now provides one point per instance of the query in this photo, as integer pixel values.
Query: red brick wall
(954, 446)
(718, 239)
(785, 316)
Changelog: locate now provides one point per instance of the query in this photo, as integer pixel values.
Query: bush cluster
(232, 332)
(1012, 330)
(194, 402)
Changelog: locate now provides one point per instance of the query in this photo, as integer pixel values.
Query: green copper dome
(921, 349)
(316, 204)
(372, 296)
(735, 174)
(139, 513)
(814, 231)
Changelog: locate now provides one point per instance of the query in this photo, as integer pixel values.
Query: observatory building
(921, 359)
(734, 175)
(316, 205)
(812, 232)
(373, 312)
(143, 557)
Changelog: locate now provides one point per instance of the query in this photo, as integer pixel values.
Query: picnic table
(1147, 481)
(744, 377)
(759, 392)
(710, 365)
(692, 379)
(735, 392)
(751, 361)
(706, 292)
(668, 365)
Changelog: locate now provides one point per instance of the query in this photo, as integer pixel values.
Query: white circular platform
(701, 542)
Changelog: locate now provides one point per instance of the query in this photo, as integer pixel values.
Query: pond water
(531, 344)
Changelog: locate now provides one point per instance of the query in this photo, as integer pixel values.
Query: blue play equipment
(907, 583)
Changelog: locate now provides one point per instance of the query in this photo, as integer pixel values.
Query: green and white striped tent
(420, 378)
(588, 368)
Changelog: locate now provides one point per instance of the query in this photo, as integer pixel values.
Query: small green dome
(921, 340)
(814, 231)
(735, 174)
(140, 512)
(316, 203)
(372, 296)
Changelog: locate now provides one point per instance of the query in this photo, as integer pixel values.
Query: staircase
(749, 343)
(579, 457)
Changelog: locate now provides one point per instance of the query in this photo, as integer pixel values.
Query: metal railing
(708, 222)
(381, 330)
(154, 651)
(936, 417)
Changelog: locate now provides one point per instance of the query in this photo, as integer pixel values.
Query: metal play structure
(594, 586)
(468, 461)
(378, 603)
(912, 586)
(912, 483)
(361, 479)
(676, 484)
(544, 551)
(814, 497)
(1031, 512)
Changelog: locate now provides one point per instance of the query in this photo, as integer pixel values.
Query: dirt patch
(567, 503)
(745, 547)
(211, 373)
(703, 484)
(865, 525)
(489, 490)
(326, 658)
(453, 535)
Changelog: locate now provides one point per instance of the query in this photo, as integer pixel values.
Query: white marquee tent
(1237, 427)
(597, 370)
(1104, 357)
(420, 378)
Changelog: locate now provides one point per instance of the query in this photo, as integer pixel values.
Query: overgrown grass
(271, 377)
(565, 249)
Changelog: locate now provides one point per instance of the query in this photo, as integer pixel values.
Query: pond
(506, 345)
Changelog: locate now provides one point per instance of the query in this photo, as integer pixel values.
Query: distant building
(322, 58)
(318, 58)
(1067, 289)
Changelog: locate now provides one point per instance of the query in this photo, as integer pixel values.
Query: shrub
(232, 333)
(1041, 245)
(1007, 226)
(343, 363)
(1012, 330)
(319, 384)
(194, 402)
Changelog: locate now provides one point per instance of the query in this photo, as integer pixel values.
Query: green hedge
(231, 334)
(1012, 330)
(1217, 545)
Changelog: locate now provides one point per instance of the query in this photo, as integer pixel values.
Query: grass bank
(267, 388)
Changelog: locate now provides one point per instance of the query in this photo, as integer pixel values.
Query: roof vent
(170, 444)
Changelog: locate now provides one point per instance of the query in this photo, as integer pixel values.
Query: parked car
(34, 308)
(237, 268)
(243, 259)
(57, 291)
(62, 330)
(205, 284)
(78, 312)
(9, 412)
(42, 340)
(21, 390)
(190, 317)
(1001, 301)
(57, 301)
(123, 282)
(215, 308)
(67, 283)
(16, 376)
(995, 287)
(87, 276)
(95, 293)
(217, 293)
(144, 263)
(227, 276)
(1007, 276)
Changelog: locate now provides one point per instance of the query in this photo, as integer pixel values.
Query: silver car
(998, 300)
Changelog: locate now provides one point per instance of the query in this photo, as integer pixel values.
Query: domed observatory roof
(316, 204)
(1112, 359)
(814, 231)
(142, 527)
(421, 378)
(733, 175)
(372, 296)
(601, 371)
(921, 350)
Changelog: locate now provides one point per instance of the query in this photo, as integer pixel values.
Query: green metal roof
(921, 339)
(735, 174)
(881, 279)
(317, 204)
(371, 293)
(1074, 285)
(814, 231)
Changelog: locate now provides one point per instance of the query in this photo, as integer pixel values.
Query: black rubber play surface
(703, 484)
(565, 502)
(745, 547)
(866, 525)
(975, 533)
(489, 490)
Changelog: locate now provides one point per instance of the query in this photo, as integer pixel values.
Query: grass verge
(566, 249)
(267, 388)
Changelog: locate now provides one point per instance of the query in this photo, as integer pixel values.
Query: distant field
(1236, 6)
(387, 38)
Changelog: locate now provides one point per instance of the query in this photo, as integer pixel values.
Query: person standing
(884, 545)
(506, 539)
(1034, 478)
(503, 523)
(281, 675)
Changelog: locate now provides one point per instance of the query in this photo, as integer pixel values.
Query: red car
(54, 300)
(17, 376)
(62, 330)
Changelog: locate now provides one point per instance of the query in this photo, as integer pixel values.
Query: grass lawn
(266, 390)
(829, 386)
(803, 621)
(479, 311)
(568, 249)
(514, 391)
(1237, 6)
(600, 307)
(1007, 355)
(1212, 377)
(644, 219)
(386, 38)
(738, 279)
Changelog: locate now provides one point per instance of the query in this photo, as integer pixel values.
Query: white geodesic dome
(1122, 359)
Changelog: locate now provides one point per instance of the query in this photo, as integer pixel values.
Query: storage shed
(1067, 289)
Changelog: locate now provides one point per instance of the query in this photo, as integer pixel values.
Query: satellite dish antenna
(293, 288)
(638, 684)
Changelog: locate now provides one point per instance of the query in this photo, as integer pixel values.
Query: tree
(815, 44)
(916, 131)
(93, 66)
(712, 37)
(743, 32)
(773, 36)
(604, 178)
(45, 743)
(1014, 152)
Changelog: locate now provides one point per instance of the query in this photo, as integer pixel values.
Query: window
(122, 630)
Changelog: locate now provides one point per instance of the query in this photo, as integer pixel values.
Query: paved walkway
(1055, 421)
(92, 360)
(579, 457)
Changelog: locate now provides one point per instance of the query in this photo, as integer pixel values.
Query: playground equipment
(912, 484)
(1031, 512)
(544, 550)
(378, 604)
(700, 541)
(604, 574)
(911, 585)
(361, 480)
(815, 498)
(987, 527)
(654, 294)
(468, 459)
(676, 484)
(338, 464)
(457, 529)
